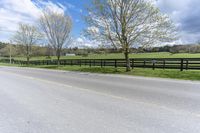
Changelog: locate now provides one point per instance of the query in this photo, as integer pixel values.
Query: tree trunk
(27, 54)
(58, 60)
(128, 66)
(58, 53)
(28, 60)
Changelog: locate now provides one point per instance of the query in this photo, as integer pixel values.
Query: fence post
(80, 63)
(144, 63)
(90, 63)
(115, 63)
(71, 63)
(187, 63)
(153, 65)
(182, 64)
(101, 63)
(132, 63)
(94, 62)
(65, 63)
(164, 64)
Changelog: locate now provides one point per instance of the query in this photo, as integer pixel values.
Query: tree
(26, 36)
(198, 42)
(128, 23)
(49, 51)
(2, 45)
(57, 27)
(6, 50)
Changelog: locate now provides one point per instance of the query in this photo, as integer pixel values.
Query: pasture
(119, 56)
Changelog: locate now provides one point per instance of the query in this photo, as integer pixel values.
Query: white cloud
(93, 29)
(77, 20)
(81, 11)
(83, 42)
(58, 7)
(70, 6)
(186, 14)
(171, 5)
(13, 12)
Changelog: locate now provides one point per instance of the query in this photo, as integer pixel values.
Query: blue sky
(76, 9)
(12, 12)
(184, 13)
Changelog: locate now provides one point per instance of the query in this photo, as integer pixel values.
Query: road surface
(48, 101)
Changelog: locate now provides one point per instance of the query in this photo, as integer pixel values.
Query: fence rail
(161, 63)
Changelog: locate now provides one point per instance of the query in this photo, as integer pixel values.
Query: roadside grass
(7, 64)
(146, 72)
(120, 56)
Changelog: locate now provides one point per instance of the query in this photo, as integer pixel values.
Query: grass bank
(174, 74)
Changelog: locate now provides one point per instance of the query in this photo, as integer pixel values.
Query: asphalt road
(45, 101)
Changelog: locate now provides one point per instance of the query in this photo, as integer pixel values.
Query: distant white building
(70, 55)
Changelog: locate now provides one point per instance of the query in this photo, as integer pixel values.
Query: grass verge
(174, 74)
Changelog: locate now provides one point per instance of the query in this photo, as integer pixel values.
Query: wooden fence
(161, 63)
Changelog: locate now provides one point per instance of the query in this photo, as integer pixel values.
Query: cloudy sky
(185, 13)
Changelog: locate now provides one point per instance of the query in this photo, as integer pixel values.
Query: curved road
(47, 101)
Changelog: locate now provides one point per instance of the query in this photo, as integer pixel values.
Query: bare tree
(57, 27)
(27, 35)
(128, 23)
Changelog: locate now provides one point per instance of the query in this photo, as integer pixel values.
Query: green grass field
(120, 56)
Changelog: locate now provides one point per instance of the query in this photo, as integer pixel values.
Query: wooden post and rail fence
(155, 63)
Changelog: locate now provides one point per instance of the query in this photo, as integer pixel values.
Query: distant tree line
(175, 49)
(191, 48)
(48, 51)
